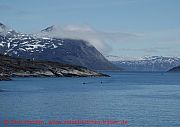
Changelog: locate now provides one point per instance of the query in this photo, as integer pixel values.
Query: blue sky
(154, 24)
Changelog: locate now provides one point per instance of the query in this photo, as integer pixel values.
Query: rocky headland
(18, 67)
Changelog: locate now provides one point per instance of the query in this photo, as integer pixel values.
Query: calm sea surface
(143, 99)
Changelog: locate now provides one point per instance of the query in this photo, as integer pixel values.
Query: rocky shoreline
(18, 67)
(4, 78)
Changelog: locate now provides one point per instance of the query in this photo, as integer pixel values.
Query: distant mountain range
(152, 63)
(40, 47)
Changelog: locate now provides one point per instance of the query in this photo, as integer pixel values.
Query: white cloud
(96, 38)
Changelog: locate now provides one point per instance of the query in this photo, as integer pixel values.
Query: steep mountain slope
(175, 69)
(67, 51)
(153, 63)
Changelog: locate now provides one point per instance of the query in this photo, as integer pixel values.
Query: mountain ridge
(152, 63)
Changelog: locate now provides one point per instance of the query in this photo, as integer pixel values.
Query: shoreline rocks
(18, 67)
(4, 78)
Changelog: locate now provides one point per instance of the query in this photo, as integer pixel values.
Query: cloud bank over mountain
(99, 39)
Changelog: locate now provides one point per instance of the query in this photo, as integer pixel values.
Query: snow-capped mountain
(68, 51)
(152, 63)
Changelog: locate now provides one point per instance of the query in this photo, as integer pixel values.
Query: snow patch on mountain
(13, 40)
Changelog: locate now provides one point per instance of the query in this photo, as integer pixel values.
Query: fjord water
(143, 99)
